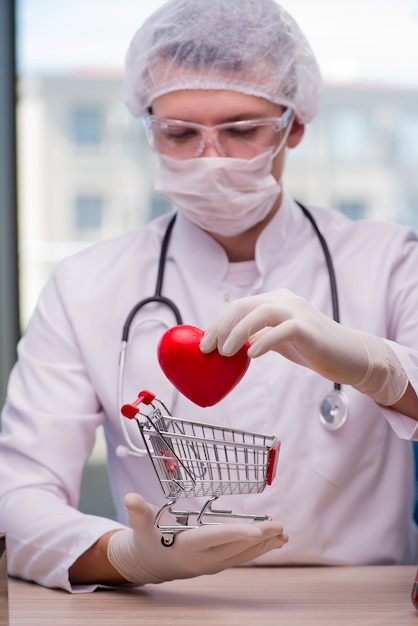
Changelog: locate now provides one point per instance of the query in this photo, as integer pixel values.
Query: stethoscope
(334, 409)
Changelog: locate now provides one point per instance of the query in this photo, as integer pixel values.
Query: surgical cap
(251, 46)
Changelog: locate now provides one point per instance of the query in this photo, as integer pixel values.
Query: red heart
(203, 378)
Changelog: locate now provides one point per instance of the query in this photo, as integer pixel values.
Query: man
(225, 89)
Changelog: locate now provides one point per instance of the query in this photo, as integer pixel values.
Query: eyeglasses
(243, 139)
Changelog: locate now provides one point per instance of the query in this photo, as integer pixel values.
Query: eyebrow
(242, 117)
(251, 115)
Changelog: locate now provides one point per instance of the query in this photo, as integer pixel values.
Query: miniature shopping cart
(197, 459)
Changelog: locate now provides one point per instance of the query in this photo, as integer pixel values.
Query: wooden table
(339, 596)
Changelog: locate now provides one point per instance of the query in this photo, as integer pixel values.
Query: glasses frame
(277, 123)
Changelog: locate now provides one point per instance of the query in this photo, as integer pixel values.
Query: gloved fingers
(250, 553)
(230, 332)
(245, 317)
(237, 551)
(217, 536)
(265, 315)
(220, 329)
(316, 342)
(292, 339)
(140, 512)
(280, 338)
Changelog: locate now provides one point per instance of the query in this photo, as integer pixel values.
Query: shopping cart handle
(272, 462)
(130, 410)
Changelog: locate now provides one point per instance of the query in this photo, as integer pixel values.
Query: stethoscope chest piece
(334, 410)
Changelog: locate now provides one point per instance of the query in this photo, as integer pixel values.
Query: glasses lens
(173, 138)
(248, 139)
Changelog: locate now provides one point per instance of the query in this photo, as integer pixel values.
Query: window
(354, 209)
(405, 139)
(87, 125)
(348, 134)
(88, 213)
(159, 205)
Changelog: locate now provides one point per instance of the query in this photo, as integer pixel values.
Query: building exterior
(360, 155)
(84, 172)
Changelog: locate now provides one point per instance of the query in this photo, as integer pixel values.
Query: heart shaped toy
(203, 378)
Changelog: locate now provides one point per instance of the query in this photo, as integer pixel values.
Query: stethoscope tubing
(330, 268)
(157, 297)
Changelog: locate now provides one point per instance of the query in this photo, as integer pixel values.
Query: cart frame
(198, 459)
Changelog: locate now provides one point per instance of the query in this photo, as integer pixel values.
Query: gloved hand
(288, 324)
(139, 556)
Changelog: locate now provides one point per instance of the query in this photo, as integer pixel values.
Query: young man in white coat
(225, 88)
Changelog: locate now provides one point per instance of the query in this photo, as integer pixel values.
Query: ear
(296, 133)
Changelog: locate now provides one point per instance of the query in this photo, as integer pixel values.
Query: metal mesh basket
(199, 459)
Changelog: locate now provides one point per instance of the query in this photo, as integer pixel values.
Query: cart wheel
(167, 539)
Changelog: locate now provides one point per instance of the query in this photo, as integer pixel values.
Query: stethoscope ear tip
(122, 452)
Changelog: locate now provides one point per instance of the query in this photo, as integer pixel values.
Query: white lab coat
(344, 497)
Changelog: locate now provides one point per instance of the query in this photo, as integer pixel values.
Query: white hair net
(251, 46)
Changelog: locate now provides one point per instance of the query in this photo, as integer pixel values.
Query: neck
(242, 247)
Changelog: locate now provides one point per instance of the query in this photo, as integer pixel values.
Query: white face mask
(222, 195)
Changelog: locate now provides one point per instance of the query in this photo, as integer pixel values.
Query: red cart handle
(130, 410)
(272, 462)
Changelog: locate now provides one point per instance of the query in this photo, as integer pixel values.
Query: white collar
(273, 246)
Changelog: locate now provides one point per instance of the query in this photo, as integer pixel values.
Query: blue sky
(372, 40)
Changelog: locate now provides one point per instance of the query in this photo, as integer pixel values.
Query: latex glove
(139, 556)
(288, 324)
